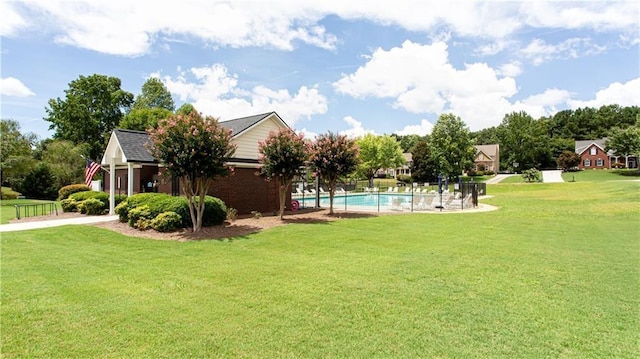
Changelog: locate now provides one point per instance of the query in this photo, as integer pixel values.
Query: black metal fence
(36, 209)
(411, 198)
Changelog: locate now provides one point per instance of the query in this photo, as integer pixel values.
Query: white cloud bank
(213, 91)
(130, 28)
(623, 94)
(11, 86)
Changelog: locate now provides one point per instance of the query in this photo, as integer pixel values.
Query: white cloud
(355, 128)
(538, 51)
(512, 69)
(422, 80)
(213, 91)
(623, 94)
(130, 28)
(544, 104)
(424, 128)
(310, 135)
(11, 86)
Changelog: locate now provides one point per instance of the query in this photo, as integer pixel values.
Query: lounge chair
(395, 189)
(299, 192)
(321, 190)
(390, 189)
(340, 190)
(407, 190)
(395, 203)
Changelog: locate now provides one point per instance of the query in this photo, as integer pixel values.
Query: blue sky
(351, 67)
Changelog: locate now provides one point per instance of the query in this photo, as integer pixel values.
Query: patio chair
(322, 190)
(395, 189)
(395, 203)
(390, 189)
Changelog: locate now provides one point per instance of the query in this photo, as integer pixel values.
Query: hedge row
(89, 202)
(66, 191)
(141, 208)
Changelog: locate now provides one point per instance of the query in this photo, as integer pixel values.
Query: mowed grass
(8, 209)
(553, 273)
(601, 175)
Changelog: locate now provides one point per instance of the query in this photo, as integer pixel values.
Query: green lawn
(600, 175)
(8, 209)
(553, 273)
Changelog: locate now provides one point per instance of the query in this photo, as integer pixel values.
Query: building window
(593, 151)
(599, 162)
(587, 162)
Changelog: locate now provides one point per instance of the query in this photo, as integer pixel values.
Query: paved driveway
(552, 176)
(12, 227)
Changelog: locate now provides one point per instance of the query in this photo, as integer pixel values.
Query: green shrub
(404, 178)
(166, 222)
(8, 193)
(489, 173)
(82, 196)
(532, 175)
(215, 210)
(140, 217)
(92, 206)
(66, 191)
(69, 205)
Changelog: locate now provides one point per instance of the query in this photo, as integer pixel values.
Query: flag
(89, 171)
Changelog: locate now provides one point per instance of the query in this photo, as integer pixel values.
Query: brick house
(594, 156)
(132, 168)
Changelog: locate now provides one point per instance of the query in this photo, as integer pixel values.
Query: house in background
(405, 169)
(487, 158)
(593, 155)
(134, 170)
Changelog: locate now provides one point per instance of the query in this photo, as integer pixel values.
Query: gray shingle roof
(239, 125)
(133, 142)
(581, 146)
(133, 146)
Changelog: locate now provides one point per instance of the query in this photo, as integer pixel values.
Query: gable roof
(133, 143)
(488, 150)
(583, 145)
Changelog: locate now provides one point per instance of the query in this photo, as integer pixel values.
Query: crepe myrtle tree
(194, 149)
(282, 156)
(333, 157)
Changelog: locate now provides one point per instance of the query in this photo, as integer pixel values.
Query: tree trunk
(283, 197)
(332, 189)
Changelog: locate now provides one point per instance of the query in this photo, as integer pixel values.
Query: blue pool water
(356, 200)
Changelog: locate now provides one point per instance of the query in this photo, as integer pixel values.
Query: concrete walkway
(552, 176)
(497, 178)
(12, 227)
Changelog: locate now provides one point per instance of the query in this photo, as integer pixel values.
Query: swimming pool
(361, 201)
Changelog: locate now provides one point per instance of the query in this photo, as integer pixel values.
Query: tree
(523, 140)
(531, 175)
(451, 145)
(141, 119)
(195, 150)
(92, 108)
(185, 109)
(333, 156)
(568, 160)
(154, 95)
(487, 136)
(378, 152)
(407, 142)
(65, 162)
(38, 183)
(423, 168)
(624, 142)
(282, 156)
(15, 152)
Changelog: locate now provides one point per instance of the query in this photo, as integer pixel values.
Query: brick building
(132, 168)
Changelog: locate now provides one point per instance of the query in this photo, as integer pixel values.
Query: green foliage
(523, 140)
(283, 155)
(378, 152)
(568, 160)
(450, 146)
(408, 142)
(333, 157)
(215, 211)
(141, 119)
(625, 141)
(84, 195)
(166, 222)
(93, 106)
(38, 183)
(66, 191)
(8, 193)
(532, 175)
(154, 95)
(185, 109)
(65, 160)
(404, 178)
(15, 152)
(69, 205)
(91, 206)
(140, 217)
(194, 149)
(423, 167)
